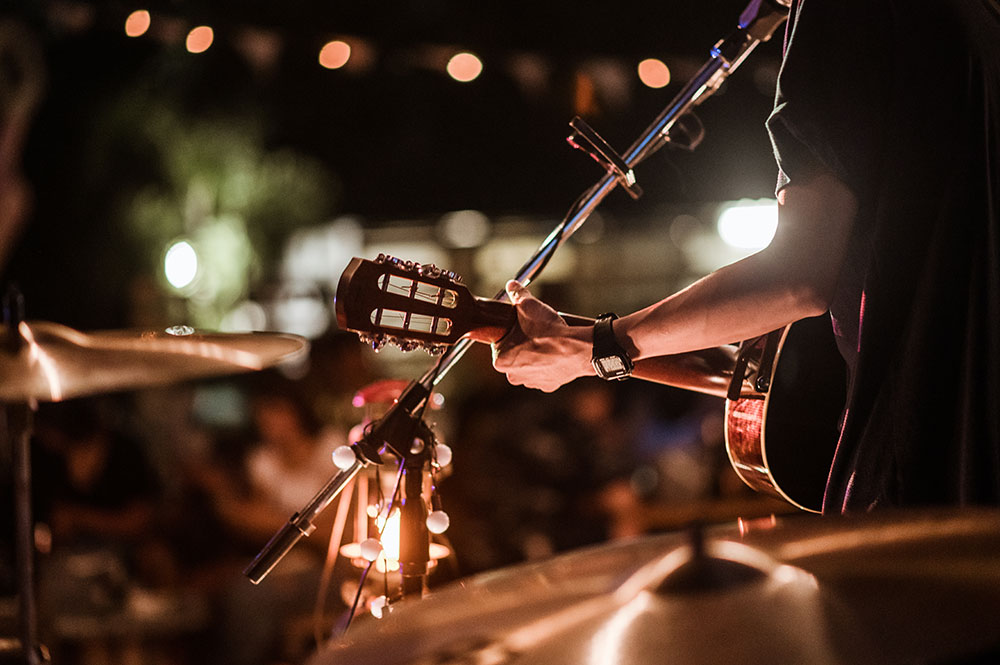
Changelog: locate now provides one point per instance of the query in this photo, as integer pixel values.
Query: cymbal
(901, 588)
(52, 362)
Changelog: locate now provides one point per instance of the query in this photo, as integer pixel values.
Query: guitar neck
(708, 371)
(495, 318)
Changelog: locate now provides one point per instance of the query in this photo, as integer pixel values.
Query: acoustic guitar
(783, 391)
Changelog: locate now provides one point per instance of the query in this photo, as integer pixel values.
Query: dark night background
(398, 141)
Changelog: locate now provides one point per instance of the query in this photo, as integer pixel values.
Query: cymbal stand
(18, 426)
(675, 124)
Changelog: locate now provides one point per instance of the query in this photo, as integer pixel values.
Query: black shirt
(901, 100)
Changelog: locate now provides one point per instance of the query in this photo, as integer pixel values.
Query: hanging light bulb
(344, 457)
(442, 455)
(370, 549)
(389, 529)
(380, 607)
(438, 521)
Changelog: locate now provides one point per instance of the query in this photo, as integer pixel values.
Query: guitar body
(781, 440)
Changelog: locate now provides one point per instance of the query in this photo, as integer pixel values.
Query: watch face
(610, 366)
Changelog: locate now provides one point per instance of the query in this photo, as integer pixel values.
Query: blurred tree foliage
(212, 180)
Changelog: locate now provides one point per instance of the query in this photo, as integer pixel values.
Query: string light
(335, 54)
(465, 67)
(137, 23)
(654, 73)
(200, 39)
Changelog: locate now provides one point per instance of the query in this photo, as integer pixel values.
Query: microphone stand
(757, 23)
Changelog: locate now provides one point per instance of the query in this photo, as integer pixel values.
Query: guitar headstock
(408, 304)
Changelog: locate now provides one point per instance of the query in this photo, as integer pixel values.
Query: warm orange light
(335, 54)
(654, 73)
(465, 67)
(137, 23)
(200, 39)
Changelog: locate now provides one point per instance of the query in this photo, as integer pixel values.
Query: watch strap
(607, 350)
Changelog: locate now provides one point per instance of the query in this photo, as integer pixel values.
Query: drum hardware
(891, 588)
(48, 362)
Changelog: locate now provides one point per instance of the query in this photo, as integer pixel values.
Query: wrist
(609, 358)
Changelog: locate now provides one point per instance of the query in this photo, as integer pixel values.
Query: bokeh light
(749, 224)
(335, 54)
(137, 23)
(654, 73)
(200, 39)
(465, 67)
(180, 264)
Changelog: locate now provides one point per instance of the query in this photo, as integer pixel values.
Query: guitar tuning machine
(429, 270)
(374, 341)
(404, 345)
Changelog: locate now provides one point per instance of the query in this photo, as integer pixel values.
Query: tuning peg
(387, 258)
(374, 341)
(429, 270)
(404, 345)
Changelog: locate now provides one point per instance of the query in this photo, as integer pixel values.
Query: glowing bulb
(654, 73)
(180, 264)
(200, 39)
(389, 528)
(137, 23)
(442, 455)
(335, 54)
(380, 607)
(749, 224)
(465, 67)
(371, 548)
(344, 457)
(438, 521)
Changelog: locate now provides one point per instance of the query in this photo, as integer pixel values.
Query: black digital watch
(609, 359)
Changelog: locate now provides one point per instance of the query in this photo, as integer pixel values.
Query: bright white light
(180, 265)
(465, 67)
(749, 224)
(380, 607)
(389, 528)
(464, 228)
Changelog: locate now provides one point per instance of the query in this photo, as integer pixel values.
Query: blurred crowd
(149, 505)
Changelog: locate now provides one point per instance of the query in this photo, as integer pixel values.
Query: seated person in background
(95, 487)
(288, 461)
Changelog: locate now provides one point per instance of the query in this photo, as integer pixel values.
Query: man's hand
(542, 352)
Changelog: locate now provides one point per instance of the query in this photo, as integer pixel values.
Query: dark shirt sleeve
(830, 107)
